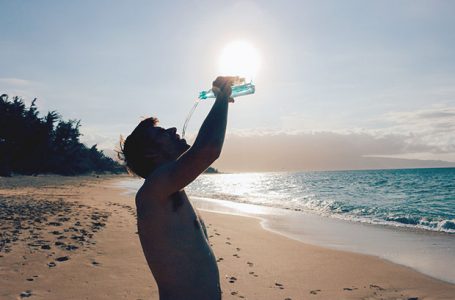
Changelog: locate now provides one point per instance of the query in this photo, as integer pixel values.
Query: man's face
(169, 142)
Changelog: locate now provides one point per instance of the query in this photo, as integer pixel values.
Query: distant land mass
(211, 170)
(401, 163)
(363, 163)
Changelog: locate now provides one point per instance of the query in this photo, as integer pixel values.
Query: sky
(341, 84)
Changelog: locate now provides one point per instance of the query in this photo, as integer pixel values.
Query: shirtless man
(172, 235)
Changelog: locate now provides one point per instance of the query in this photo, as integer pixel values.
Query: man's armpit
(142, 209)
(177, 201)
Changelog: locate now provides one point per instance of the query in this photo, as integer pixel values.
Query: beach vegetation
(211, 170)
(31, 144)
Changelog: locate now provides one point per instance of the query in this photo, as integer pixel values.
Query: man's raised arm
(175, 175)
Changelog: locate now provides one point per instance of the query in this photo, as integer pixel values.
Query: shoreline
(418, 252)
(314, 270)
(427, 252)
(254, 263)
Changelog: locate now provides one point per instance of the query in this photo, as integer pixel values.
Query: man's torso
(176, 248)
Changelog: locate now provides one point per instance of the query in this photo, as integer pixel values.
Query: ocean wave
(404, 220)
(339, 210)
(447, 225)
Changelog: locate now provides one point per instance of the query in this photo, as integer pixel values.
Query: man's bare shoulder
(148, 191)
(147, 196)
(152, 186)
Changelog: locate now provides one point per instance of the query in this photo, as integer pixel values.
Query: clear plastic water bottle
(240, 89)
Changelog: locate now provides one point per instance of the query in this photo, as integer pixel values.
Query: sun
(239, 58)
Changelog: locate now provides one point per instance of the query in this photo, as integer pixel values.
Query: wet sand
(75, 238)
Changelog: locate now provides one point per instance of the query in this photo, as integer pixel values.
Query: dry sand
(75, 238)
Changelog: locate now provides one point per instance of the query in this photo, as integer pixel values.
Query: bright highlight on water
(413, 198)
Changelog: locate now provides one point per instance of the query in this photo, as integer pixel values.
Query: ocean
(420, 198)
(406, 216)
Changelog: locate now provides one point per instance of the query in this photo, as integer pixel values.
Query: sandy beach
(75, 238)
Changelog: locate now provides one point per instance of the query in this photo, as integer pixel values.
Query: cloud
(24, 88)
(317, 151)
(433, 127)
(16, 82)
(420, 138)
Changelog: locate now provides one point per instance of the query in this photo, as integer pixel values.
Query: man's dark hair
(133, 148)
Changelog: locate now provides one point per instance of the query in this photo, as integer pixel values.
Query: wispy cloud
(319, 151)
(24, 88)
(16, 82)
(433, 127)
(417, 136)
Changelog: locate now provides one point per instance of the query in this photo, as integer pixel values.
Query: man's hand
(221, 87)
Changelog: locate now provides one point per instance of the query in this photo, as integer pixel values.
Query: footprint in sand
(55, 224)
(279, 285)
(253, 274)
(314, 292)
(250, 264)
(374, 286)
(231, 279)
(71, 247)
(26, 294)
(219, 259)
(46, 247)
(62, 258)
(236, 255)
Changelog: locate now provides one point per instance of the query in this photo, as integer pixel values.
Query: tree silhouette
(30, 144)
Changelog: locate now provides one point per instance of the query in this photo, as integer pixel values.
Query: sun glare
(239, 58)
